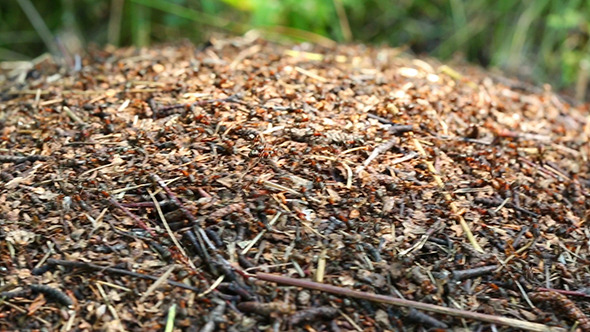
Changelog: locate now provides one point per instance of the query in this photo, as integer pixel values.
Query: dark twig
(398, 129)
(21, 159)
(227, 210)
(420, 317)
(48, 291)
(94, 267)
(473, 273)
(53, 293)
(215, 317)
(495, 202)
(135, 218)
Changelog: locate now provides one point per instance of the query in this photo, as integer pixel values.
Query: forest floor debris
(192, 188)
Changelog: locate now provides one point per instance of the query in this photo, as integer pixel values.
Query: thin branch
(135, 218)
(94, 267)
(520, 324)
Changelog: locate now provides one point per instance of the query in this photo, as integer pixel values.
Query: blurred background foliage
(537, 40)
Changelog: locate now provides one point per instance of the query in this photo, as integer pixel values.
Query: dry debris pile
(179, 185)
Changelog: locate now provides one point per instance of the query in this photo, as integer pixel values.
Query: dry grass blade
(448, 197)
(169, 231)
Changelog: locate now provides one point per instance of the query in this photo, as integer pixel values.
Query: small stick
(475, 272)
(418, 245)
(215, 317)
(377, 151)
(21, 159)
(144, 204)
(279, 187)
(53, 293)
(420, 317)
(520, 324)
(74, 117)
(563, 291)
(108, 303)
(232, 98)
(135, 218)
(261, 234)
(321, 269)
(492, 202)
(157, 284)
(310, 74)
(212, 287)
(224, 211)
(94, 267)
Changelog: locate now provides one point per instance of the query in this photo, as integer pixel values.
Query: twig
(563, 291)
(475, 272)
(407, 303)
(163, 278)
(565, 306)
(261, 234)
(232, 98)
(420, 317)
(94, 267)
(135, 218)
(276, 186)
(54, 293)
(215, 317)
(108, 303)
(377, 151)
(492, 202)
(321, 269)
(212, 287)
(418, 245)
(310, 74)
(496, 210)
(74, 116)
(48, 291)
(462, 139)
(23, 311)
(236, 207)
(21, 159)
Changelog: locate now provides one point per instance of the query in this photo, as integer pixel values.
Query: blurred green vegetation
(540, 40)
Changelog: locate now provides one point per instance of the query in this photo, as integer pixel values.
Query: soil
(228, 186)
